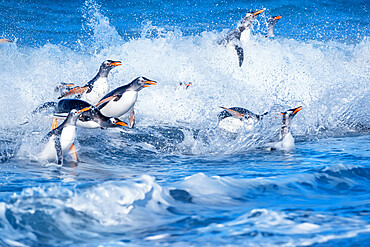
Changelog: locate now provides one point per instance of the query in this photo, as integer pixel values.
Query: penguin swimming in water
(61, 139)
(95, 88)
(90, 119)
(241, 34)
(271, 25)
(234, 118)
(121, 100)
(286, 140)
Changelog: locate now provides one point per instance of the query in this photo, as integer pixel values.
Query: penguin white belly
(120, 107)
(287, 143)
(235, 125)
(88, 124)
(66, 140)
(245, 36)
(100, 89)
(67, 137)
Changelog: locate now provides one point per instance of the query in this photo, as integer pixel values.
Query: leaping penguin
(61, 139)
(271, 25)
(121, 100)
(241, 34)
(234, 118)
(95, 88)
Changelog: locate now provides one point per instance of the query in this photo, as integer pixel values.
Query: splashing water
(176, 179)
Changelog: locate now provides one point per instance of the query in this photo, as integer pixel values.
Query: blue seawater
(176, 180)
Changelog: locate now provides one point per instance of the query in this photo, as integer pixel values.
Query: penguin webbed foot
(73, 151)
(132, 119)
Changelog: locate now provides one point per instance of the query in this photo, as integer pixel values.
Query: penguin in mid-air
(241, 34)
(94, 89)
(61, 139)
(271, 25)
(234, 118)
(121, 100)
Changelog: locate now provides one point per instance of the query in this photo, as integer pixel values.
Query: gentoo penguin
(90, 119)
(271, 25)
(61, 139)
(234, 118)
(241, 34)
(121, 100)
(286, 140)
(95, 88)
(5, 41)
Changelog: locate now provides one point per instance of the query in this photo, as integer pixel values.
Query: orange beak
(258, 12)
(150, 83)
(188, 85)
(121, 124)
(84, 109)
(297, 110)
(277, 17)
(117, 63)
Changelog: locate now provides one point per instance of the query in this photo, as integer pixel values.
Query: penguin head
(74, 114)
(271, 25)
(107, 65)
(289, 115)
(141, 82)
(274, 19)
(250, 17)
(115, 122)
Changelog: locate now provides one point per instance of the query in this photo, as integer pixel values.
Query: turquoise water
(176, 179)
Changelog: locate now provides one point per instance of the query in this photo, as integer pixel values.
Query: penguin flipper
(106, 100)
(233, 113)
(49, 135)
(58, 148)
(75, 90)
(240, 52)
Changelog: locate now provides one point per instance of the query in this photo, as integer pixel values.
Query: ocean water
(176, 179)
